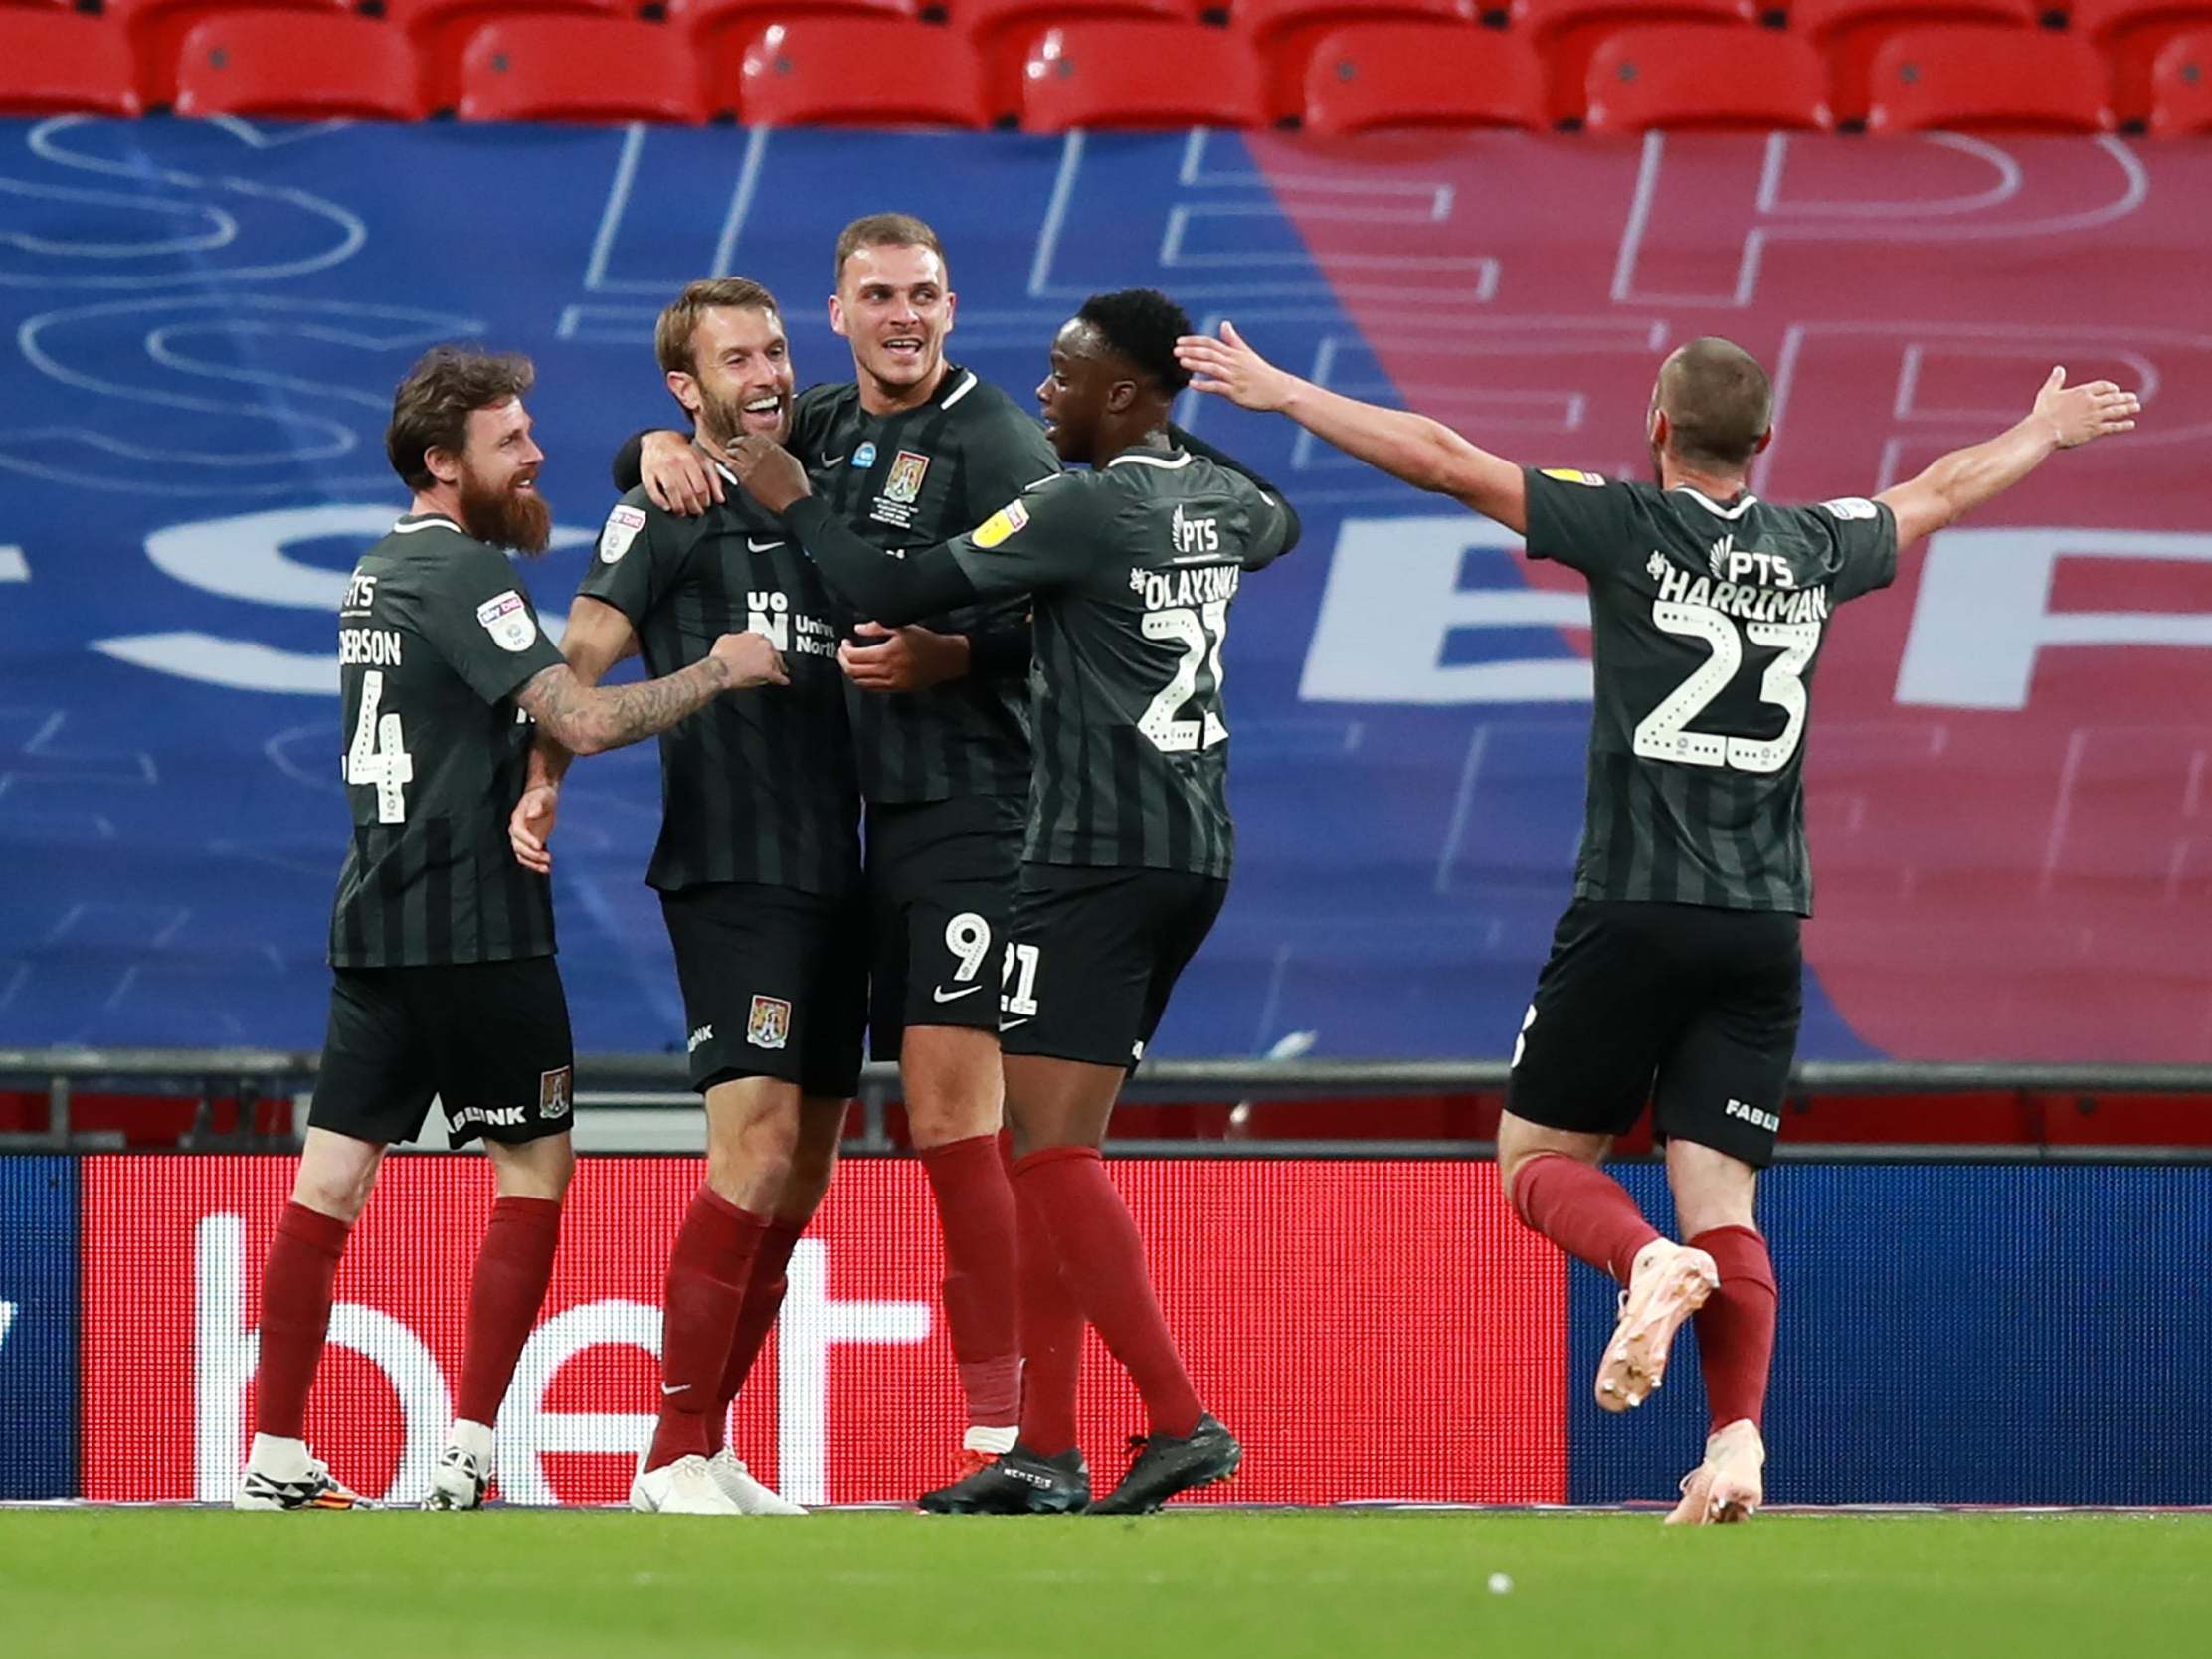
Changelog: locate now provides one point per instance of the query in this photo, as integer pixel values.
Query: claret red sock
(708, 1275)
(1735, 1327)
(295, 1315)
(975, 1208)
(513, 1267)
(1584, 1210)
(1051, 1334)
(756, 1316)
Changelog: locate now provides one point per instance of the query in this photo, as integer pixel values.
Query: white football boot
(751, 1495)
(686, 1487)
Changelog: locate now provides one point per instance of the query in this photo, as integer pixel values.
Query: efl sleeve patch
(1573, 476)
(1849, 507)
(1008, 520)
(622, 525)
(506, 618)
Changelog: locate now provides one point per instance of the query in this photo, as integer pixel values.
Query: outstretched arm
(586, 719)
(597, 637)
(1425, 452)
(2064, 418)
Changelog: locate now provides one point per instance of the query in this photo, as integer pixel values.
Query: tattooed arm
(587, 719)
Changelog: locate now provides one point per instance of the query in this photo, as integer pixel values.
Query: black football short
(1691, 1009)
(1096, 953)
(774, 983)
(488, 1039)
(940, 876)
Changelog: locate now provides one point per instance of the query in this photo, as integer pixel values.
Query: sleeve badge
(507, 620)
(1008, 520)
(1575, 476)
(622, 525)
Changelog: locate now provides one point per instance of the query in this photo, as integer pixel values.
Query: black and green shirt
(436, 636)
(1131, 571)
(910, 481)
(1708, 620)
(759, 785)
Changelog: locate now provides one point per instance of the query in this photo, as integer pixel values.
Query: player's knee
(341, 1193)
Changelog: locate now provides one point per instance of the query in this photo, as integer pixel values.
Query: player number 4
(1200, 633)
(1664, 735)
(378, 757)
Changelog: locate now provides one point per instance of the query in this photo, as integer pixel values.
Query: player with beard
(442, 947)
(1674, 976)
(909, 452)
(758, 867)
(1131, 570)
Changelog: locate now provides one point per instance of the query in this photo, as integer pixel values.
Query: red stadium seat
(1399, 74)
(157, 29)
(287, 67)
(578, 69)
(1285, 33)
(1138, 75)
(1850, 32)
(1981, 79)
(1698, 76)
(2181, 86)
(57, 62)
(1005, 31)
(1568, 33)
(441, 30)
(2131, 34)
(710, 20)
(850, 71)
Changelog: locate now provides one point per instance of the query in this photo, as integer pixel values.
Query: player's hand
(751, 659)
(1232, 369)
(902, 658)
(677, 475)
(2078, 413)
(530, 826)
(770, 472)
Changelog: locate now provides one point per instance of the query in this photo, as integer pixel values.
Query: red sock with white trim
(975, 1212)
(295, 1316)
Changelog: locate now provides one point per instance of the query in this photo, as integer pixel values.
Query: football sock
(1051, 1334)
(756, 1316)
(295, 1316)
(708, 1274)
(1103, 1256)
(513, 1267)
(1735, 1327)
(975, 1208)
(1584, 1210)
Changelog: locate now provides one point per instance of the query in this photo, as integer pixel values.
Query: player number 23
(1200, 633)
(1664, 734)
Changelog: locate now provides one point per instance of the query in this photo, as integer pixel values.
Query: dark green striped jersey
(759, 785)
(1707, 623)
(1133, 569)
(911, 480)
(436, 636)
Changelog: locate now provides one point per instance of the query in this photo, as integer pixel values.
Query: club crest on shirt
(556, 1091)
(902, 487)
(622, 525)
(770, 1023)
(1008, 520)
(506, 618)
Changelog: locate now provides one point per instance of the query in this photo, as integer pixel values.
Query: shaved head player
(1675, 975)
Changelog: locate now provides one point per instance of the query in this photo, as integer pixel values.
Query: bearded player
(440, 947)
(1674, 976)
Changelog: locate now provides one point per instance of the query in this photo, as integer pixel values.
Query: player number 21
(378, 755)
(1663, 734)
(1200, 633)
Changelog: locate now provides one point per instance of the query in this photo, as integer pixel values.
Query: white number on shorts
(1521, 1042)
(1021, 978)
(1200, 633)
(968, 936)
(1662, 734)
(378, 755)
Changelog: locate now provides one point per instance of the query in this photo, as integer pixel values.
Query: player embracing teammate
(1675, 975)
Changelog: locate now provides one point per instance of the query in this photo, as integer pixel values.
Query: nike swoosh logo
(679, 1388)
(1009, 1025)
(833, 460)
(943, 996)
(752, 546)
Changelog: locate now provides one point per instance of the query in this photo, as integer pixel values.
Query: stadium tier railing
(640, 1102)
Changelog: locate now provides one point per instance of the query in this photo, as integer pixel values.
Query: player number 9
(968, 936)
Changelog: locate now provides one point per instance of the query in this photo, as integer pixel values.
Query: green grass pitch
(539, 1584)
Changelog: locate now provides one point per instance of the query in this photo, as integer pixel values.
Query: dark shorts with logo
(774, 983)
(488, 1039)
(1692, 1009)
(940, 879)
(1096, 954)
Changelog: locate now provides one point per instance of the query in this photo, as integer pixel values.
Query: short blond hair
(884, 230)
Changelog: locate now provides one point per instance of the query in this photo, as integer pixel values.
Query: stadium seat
(1398, 75)
(1004, 32)
(441, 30)
(2181, 86)
(54, 63)
(1978, 80)
(1138, 75)
(1285, 33)
(1568, 33)
(578, 69)
(849, 71)
(707, 21)
(287, 67)
(1849, 33)
(156, 29)
(1665, 77)
(2131, 34)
